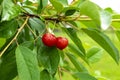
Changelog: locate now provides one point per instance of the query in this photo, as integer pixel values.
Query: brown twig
(66, 71)
(53, 19)
(64, 18)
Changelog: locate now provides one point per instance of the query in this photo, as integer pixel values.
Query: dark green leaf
(2, 42)
(42, 4)
(1, 1)
(77, 64)
(90, 9)
(48, 58)
(94, 54)
(104, 42)
(27, 65)
(10, 10)
(0, 11)
(8, 67)
(57, 5)
(44, 75)
(83, 76)
(37, 24)
(70, 10)
(8, 28)
(26, 34)
(73, 36)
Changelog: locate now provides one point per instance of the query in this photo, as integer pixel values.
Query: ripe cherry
(49, 39)
(61, 43)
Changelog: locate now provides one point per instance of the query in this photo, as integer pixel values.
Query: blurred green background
(105, 68)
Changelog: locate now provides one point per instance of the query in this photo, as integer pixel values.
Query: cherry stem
(59, 72)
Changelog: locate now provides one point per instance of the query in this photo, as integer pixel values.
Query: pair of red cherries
(51, 40)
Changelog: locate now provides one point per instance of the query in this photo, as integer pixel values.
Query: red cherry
(49, 39)
(61, 43)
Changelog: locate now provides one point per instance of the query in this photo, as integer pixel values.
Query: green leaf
(27, 2)
(118, 34)
(26, 34)
(49, 58)
(28, 44)
(83, 76)
(77, 51)
(8, 28)
(94, 54)
(90, 9)
(16, 78)
(30, 9)
(70, 10)
(75, 24)
(77, 3)
(106, 19)
(57, 5)
(89, 24)
(76, 63)
(20, 0)
(44, 75)
(116, 16)
(42, 4)
(27, 64)
(1, 1)
(10, 10)
(64, 2)
(0, 11)
(115, 25)
(2, 42)
(37, 24)
(108, 9)
(104, 42)
(73, 36)
(8, 67)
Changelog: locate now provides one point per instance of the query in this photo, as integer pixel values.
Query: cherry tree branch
(15, 37)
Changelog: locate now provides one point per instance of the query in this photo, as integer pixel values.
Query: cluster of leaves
(24, 57)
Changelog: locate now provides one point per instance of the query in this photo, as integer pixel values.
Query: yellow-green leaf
(104, 42)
